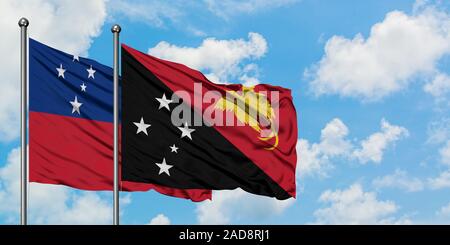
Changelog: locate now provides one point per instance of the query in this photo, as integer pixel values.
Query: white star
(186, 131)
(164, 167)
(76, 105)
(91, 72)
(75, 57)
(141, 126)
(174, 148)
(164, 102)
(61, 71)
(83, 87)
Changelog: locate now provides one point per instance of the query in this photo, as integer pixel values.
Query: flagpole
(116, 30)
(23, 23)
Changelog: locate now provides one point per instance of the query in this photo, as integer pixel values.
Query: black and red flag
(182, 131)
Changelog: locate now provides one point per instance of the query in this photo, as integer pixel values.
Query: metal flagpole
(116, 30)
(23, 23)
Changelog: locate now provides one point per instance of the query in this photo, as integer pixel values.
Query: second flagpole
(116, 30)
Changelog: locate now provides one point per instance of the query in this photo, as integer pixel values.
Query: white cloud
(50, 204)
(441, 181)
(399, 179)
(373, 147)
(67, 25)
(315, 158)
(59, 205)
(439, 86)
(444, 211)
(396, 50)
(235, 206)
(228, 8)
(218, 68)
(332, 138)
(354, 206)
(444, 152)
(311, 160)
(249, 75)
(160, 219)
(249, 81)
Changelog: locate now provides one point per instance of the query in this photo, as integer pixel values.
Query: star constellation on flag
(76, 105)
(142, 127)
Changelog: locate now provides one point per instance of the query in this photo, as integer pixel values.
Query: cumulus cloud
(311, 160)
(218, 68)
(60, 205)
(397, 49)
(316, 158)
(355, 206)
(236, 206)
(50, 204)
(439, 86)
(332, 138)
(373, 147)
(160, 219)
(228, 8)
(441, 181)
(399, 179)
(67, 25)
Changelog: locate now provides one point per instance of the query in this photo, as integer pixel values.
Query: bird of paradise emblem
(253, 109)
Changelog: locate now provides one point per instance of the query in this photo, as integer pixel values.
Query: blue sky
(370, 82)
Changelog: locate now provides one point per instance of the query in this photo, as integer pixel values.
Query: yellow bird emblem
(253, 109)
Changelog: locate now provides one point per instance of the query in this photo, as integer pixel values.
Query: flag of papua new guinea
(190, 153)
(71, 124)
